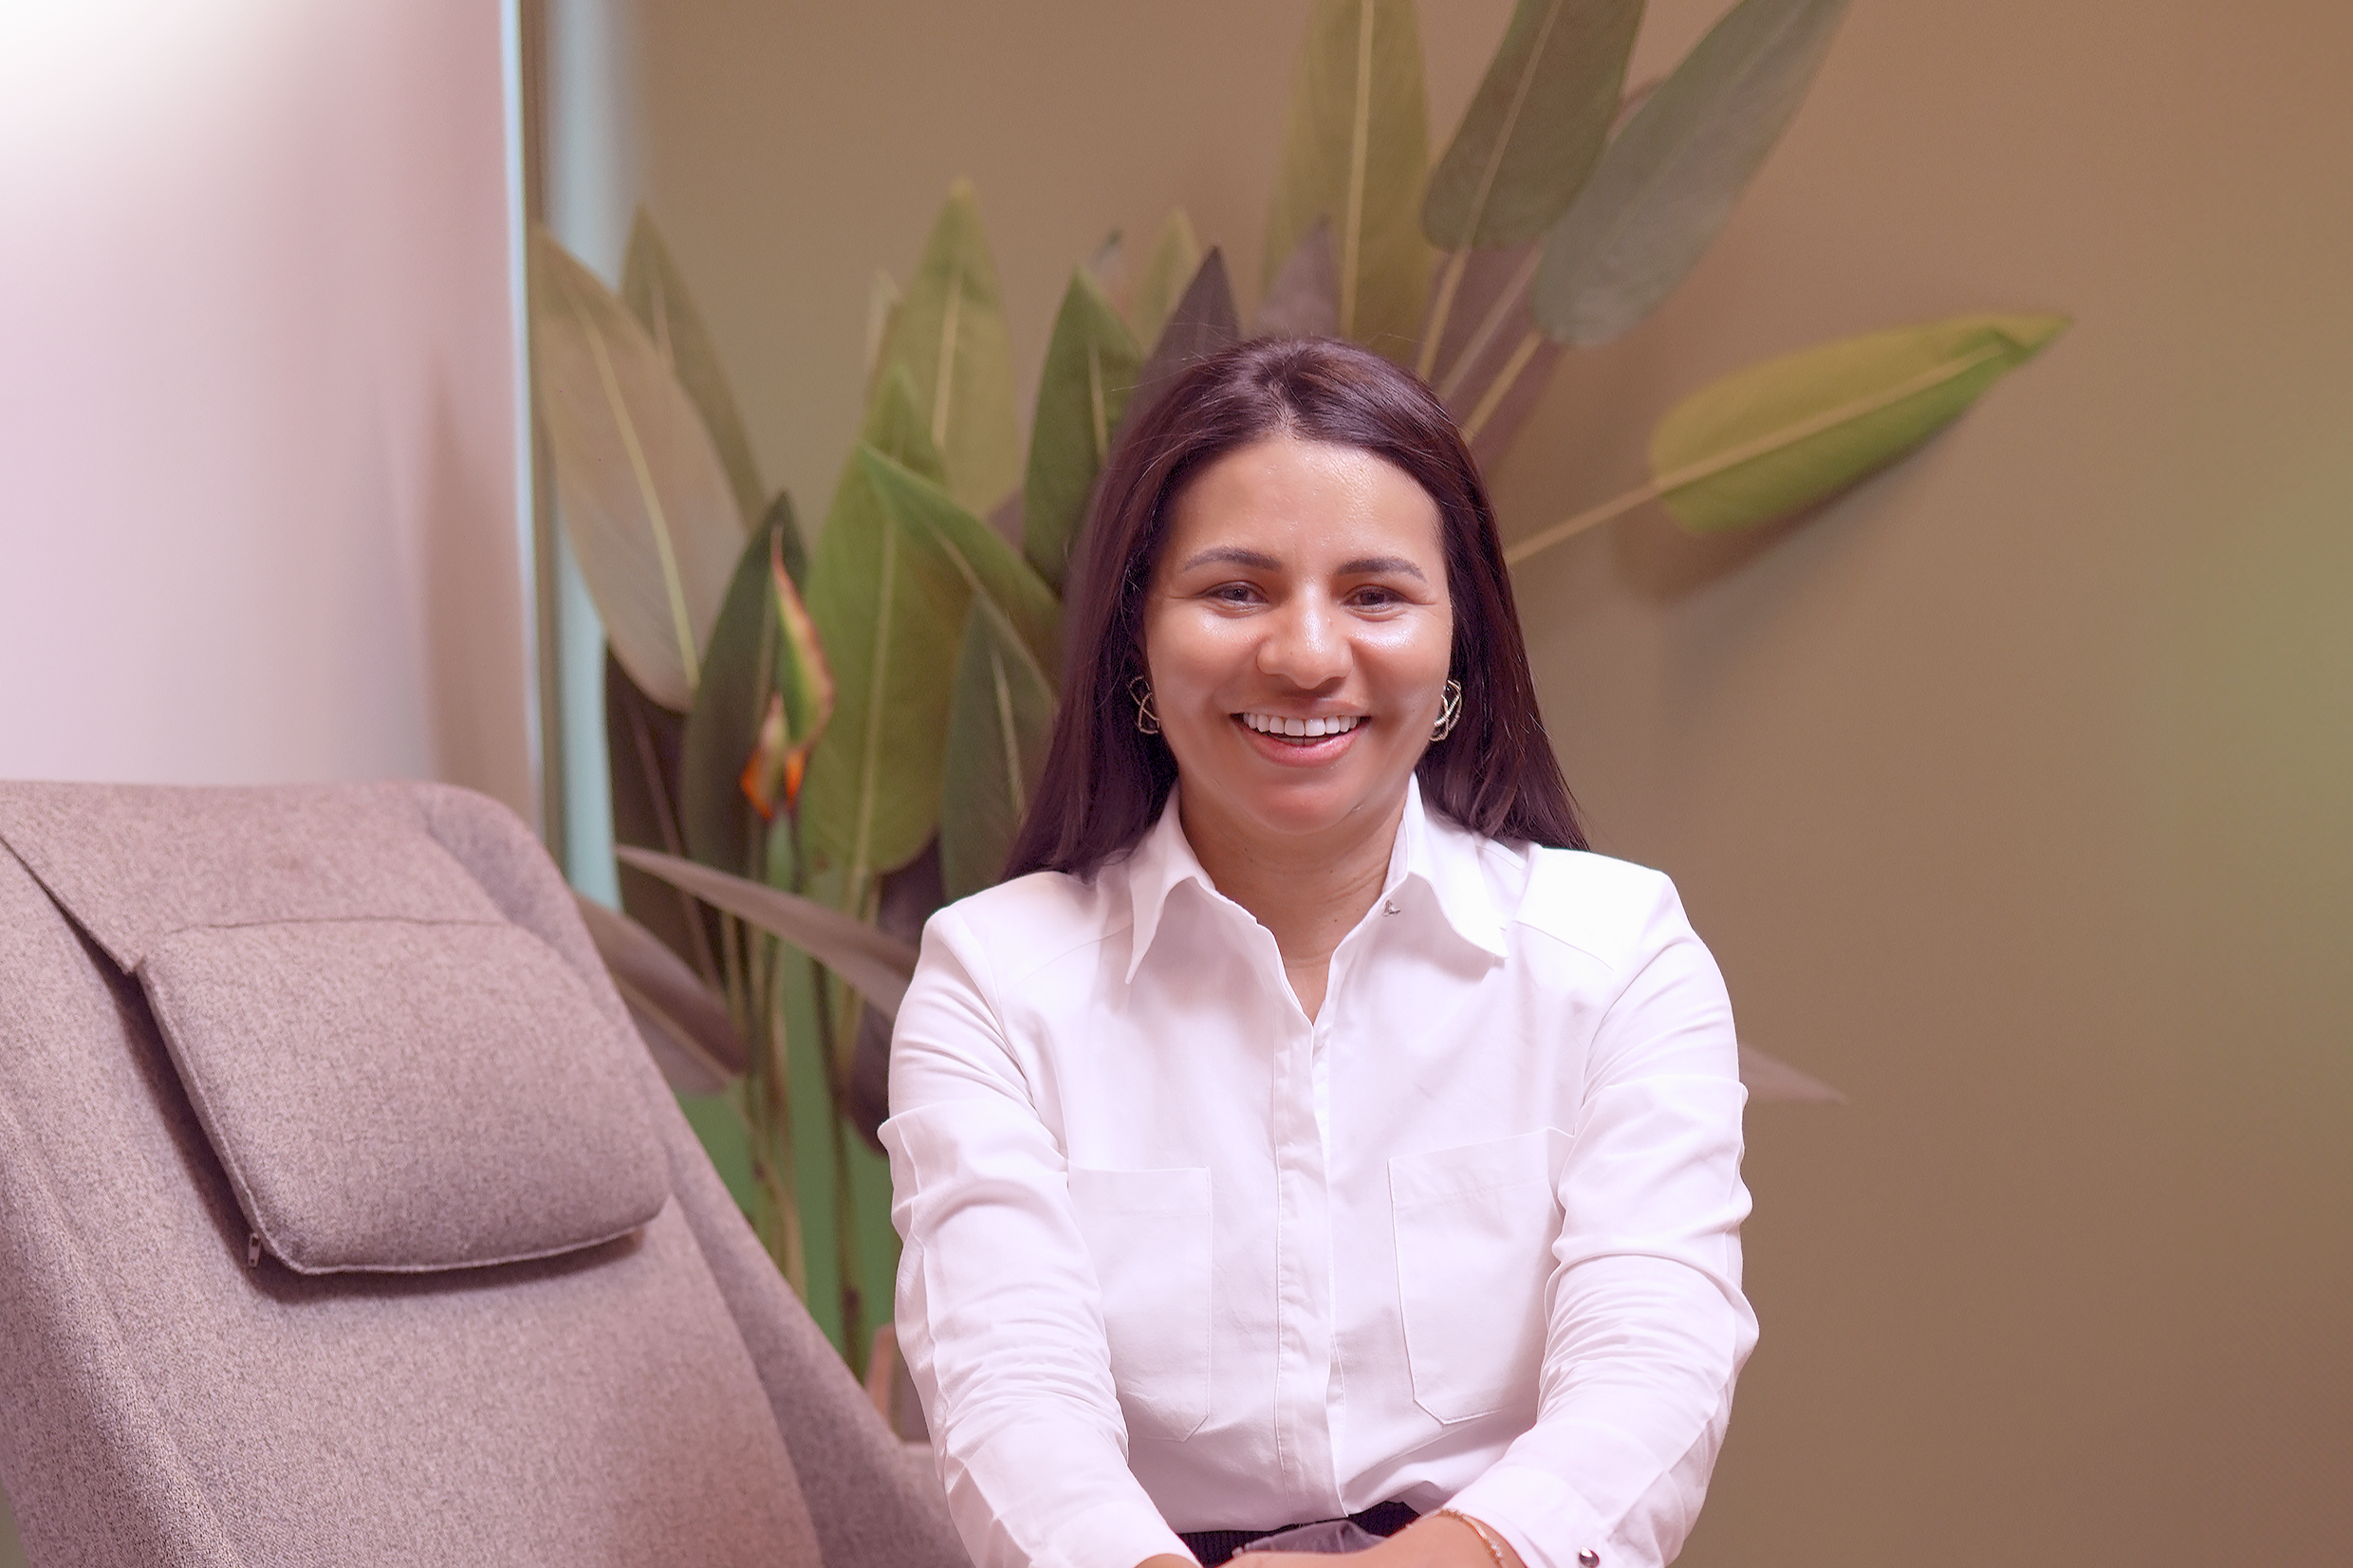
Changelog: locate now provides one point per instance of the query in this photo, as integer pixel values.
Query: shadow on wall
(12, 1549)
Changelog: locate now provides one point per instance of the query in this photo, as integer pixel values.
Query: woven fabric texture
(655, 1398)
(398, 1096)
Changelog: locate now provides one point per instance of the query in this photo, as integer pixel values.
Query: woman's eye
(1373, 597)
(1234, 593)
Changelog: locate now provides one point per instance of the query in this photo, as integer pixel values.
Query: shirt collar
(1431, 850)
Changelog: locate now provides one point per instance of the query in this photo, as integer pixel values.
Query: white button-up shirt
(1179, 1258)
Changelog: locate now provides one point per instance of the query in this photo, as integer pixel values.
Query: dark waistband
(1214, 1546)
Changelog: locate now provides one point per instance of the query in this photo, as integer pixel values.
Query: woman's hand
(1439, 1541)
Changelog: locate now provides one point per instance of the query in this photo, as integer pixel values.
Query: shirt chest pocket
(1148, 1232)
(1475, 1233)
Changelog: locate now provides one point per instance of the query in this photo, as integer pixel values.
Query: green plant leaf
(1091, 364)
(1776, 436)
(1489, 363)
(1108, 268)
(887, 612)
(1304, 300)
(656, 293)
(883, 301)
(644, 499)
(874, 963)
(761, 673)
(949, 335)
(644, 742)
(998, 722)
(1175, 257)
(790, 540)
(975, 552)
(1669, 182)
(1766, 441)
(685, 1027)
(802, 706)
(1203, 322)
(1535, 125)
(1355, 151)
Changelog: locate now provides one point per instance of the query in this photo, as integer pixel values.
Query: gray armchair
(343, 1219)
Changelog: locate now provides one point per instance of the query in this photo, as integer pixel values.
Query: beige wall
(2011, 789)
(257, 398)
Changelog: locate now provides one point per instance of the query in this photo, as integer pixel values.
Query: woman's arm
(1646, 1327)
(999, 1312)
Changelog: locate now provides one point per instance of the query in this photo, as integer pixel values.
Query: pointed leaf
(1355, 151)
(805, 688)
(685, 1027)
(656, 294)
(721, 827)
(875, 964)
(1203, 322)
(1175, 257)
(1668, 183)
(998, 722)
(973, 551)
(764, 665)
(949, 337)
(1107, 267)
(645, 502)
(788, 538)
(1535, 125)
(1767, 440)
(644, 742)
(887, 612)
(1489, 361)
(1091, 366)
(1304, 300)
(1770, 1079)
(909, 896)
(883, 301)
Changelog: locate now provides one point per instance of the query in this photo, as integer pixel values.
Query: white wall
(257, 402)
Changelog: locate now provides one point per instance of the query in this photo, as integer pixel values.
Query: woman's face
(1302, 588)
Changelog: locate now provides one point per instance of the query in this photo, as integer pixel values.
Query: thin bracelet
(1478, 1529)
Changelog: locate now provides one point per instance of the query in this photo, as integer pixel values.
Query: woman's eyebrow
(1375, 565)
(1363, 565)
(1231, 555)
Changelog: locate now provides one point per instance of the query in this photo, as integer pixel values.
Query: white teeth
(1274, 724)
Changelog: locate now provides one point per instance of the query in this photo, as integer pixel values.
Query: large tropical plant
(813, 747)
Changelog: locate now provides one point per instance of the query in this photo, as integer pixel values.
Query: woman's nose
(1304, 644)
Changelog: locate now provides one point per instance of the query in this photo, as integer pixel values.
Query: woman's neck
(1310, 892)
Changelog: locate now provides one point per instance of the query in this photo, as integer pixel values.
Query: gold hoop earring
(1450, 712)
(1147, 717)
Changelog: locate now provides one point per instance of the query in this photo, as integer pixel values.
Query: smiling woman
(1311, 1147)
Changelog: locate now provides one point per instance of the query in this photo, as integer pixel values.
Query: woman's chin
(1311, 811)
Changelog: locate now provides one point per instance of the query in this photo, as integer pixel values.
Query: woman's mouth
(1276, 725)
(1296, 740)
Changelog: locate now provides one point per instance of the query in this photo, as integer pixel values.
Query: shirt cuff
(1116, 1534)
(1543, 1518)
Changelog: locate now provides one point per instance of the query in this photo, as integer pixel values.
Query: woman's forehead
(1299, 502)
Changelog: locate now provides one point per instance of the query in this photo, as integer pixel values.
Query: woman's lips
(1301, 750)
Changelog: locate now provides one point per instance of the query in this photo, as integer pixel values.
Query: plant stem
(1502, 387)
(1449, 279)
(1488, 325)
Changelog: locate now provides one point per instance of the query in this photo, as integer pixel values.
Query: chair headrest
(394, 1076)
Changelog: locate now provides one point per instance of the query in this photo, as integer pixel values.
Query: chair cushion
(395, 1096)
(394, 1077)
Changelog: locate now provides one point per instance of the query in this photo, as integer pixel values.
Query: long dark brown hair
(1105, 781)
